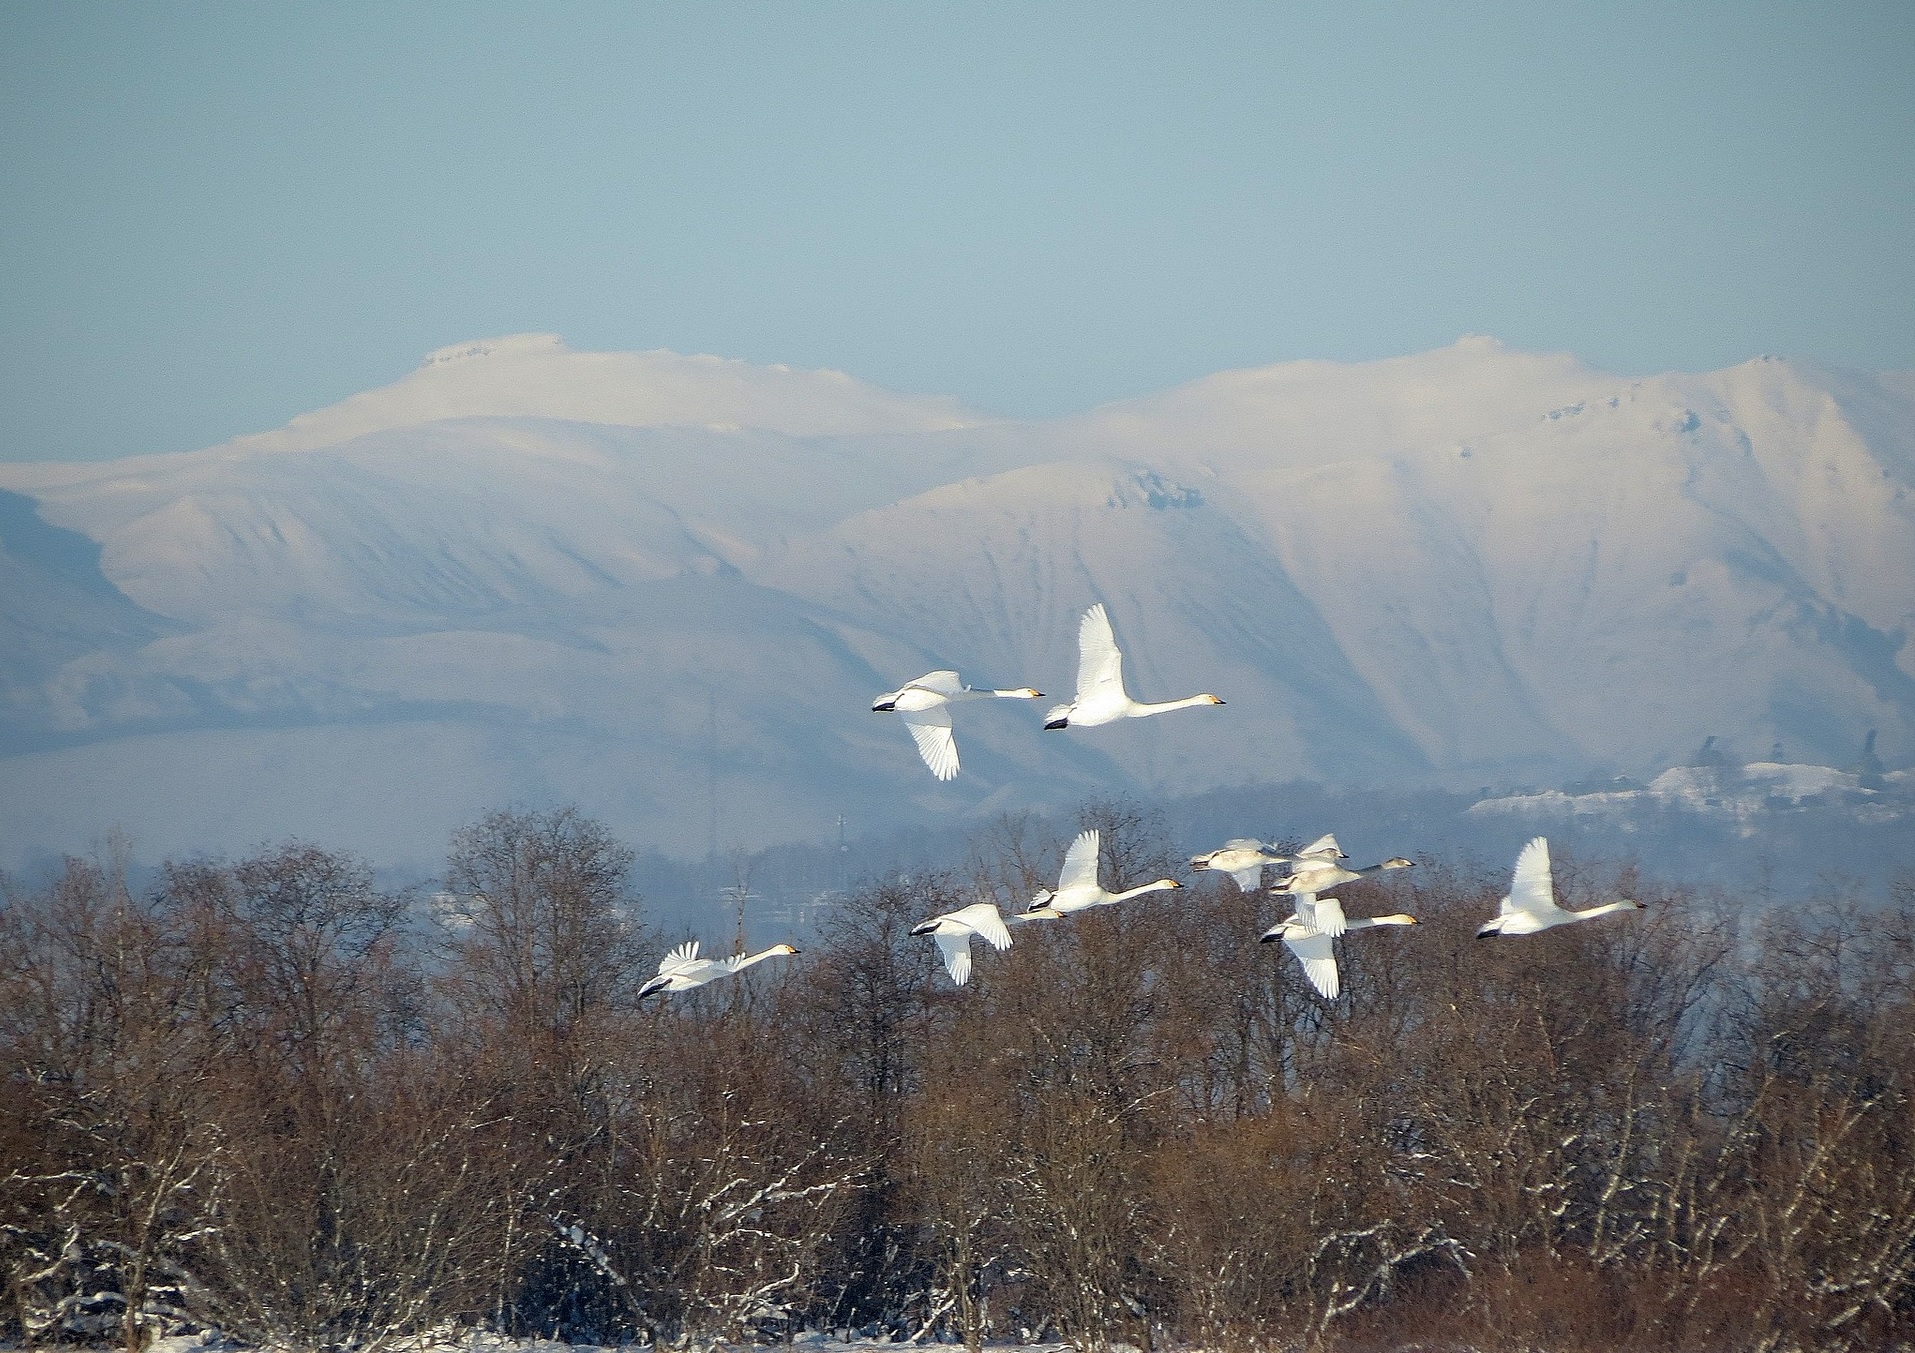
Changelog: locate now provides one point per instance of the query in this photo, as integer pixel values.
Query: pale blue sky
(216, 216)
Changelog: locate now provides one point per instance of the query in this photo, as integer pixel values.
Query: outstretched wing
(1321, 913)
(1249, 879)
(1080, 863)
(679, 959)
(1530, 890)
(1315, 952)
(1100, 667)
(956, 950)
(984, 919)
(1324, 847)
(931, 730)
(943, 683)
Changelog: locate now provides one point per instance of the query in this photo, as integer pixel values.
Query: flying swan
(1319, 873)
(1311, 933)
(953, 930)
(1077, 886)
(925, 705)
(682, 969)
(1244, 858)
(1101, 697)
(1531, 904)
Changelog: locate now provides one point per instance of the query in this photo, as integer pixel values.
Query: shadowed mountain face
(667, 588)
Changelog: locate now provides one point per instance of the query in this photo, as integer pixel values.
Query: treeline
(271, 1098)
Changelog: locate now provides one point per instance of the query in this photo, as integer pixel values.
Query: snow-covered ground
(814, 1341)
(1743, 795)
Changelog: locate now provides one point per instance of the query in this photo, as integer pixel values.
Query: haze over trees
(267, 1095)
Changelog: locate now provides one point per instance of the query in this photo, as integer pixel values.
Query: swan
(1311, 934)
(1100, 681)
(1531, 904)
(1243, 859)
(1319, 873)
(1077, 886)
(682, 969)
(925, 704)
(953, 930)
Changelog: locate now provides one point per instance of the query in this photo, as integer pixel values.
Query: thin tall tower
(711, 776)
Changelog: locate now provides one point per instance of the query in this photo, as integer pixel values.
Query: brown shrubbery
(272, 1098)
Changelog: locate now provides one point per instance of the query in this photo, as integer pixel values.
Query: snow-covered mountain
(667, 587)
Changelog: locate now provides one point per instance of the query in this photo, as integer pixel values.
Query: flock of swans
(1310, 931)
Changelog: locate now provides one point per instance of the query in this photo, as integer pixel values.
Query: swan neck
(1138, 707)
(1161, 885)
(1605, 909)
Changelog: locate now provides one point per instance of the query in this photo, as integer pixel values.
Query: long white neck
(1159, 886)
(1139, 709)
(738, 965)
(1605, 909)
(1365, 922)
(1375, 868)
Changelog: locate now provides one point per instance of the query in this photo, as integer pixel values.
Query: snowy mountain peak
(523, 571)
(539, 376)
(487, 347)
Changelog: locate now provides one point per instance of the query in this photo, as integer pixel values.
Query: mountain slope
(667, 587)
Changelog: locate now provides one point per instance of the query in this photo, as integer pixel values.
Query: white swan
(1531, 904)
(1100, 681)
(1244, 858)
(682, 969)
(1316, 874)
(1077, 886)
(1311, 935)
(953, 930)
(925, 707)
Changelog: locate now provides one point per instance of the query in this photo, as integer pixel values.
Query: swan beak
(1173, 883)
(1055, 724)
(1640, 905)
(1215, 701)
(1270, 936)
(924, 928)
(884, 706)
(1410, 921)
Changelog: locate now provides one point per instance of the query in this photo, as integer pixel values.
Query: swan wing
(1100, 667)
(684, 956)
(1242, 843)
(1313, 949)
(956, 950)
(1323, 913)
(984, 919)
(1249, 879)
(1080, 863)
(931, 730)
(1324, 846)
(942, 683)
(1530, 890)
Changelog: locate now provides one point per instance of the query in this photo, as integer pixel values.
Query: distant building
(1869, 771)
(1708, 754)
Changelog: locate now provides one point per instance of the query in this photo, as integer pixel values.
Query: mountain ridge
(1465, 564)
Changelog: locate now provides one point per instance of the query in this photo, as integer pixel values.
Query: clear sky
(216, 216)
